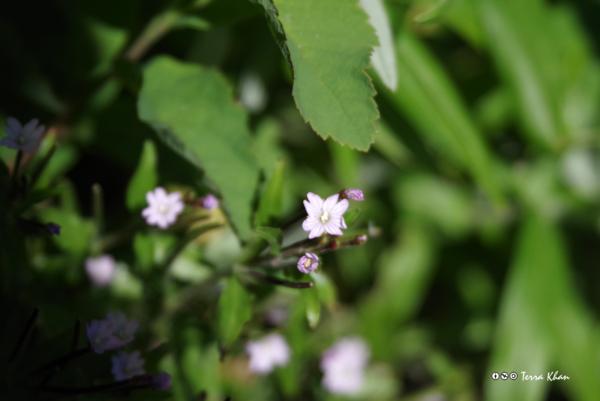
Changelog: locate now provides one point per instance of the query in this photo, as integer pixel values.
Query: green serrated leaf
(329, 55)
(271, 14)
(234, 310)
(269, 208)
(144, 179)
(192, 109)
(273, 237)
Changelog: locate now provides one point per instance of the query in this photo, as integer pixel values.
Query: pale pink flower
(343, 366)
(267, 353)
(124, 328)
(126, 365)
(308, 263)
(25, 138)
(324, 216)
(101, 335)
(163, 208)
(100, 270)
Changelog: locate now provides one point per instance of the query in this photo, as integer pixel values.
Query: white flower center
(162, 208)
(325, 216)
(308, 263)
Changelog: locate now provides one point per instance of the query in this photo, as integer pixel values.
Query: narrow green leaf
(541, 327)
(326, 290)
(518, 36)
(273, 237)
(329, 55)
(192, 22)
(269, 208)
(428, 98)
(192, 109)
(234, 310)
(313, 306)
(351, 216)
(144, 179)
(384, 56)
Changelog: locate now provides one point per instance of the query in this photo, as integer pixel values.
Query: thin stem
(63, 360)
(277, 281)
(158, 27)
(25, 334)
(17, 166)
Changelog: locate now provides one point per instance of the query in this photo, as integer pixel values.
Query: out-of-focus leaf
(326, 289)
(540, 324)
(144, 179)
(519, 37)
(312, 304)
(273, 237)
(463, 16)
(269, 208)
(108, 41)
(192, 22)
(234, 311)
(200, 364)
(437, 202)
(401, 285)
(350, 216)
(383, 57)
(390, 146)
(129, 73)
(495, 110)
(346, 162)
(433, 13)
(271, 14)
(329, 57)
(75, 234)
(143, 246)
(193, 112)
(63, 159)
(431, 102)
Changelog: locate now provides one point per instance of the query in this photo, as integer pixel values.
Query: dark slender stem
(63, 360)
(87, 390)
(75, 339)
(277, 281)
(49, 376)
(25, 334)
(17, 165)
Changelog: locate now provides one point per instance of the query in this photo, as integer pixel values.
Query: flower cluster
(110, 333)
(343, 366)
(114, 332)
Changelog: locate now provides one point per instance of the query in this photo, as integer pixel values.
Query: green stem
(158, 27)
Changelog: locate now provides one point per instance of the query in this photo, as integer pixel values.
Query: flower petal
(29, 127)
(340, 208)
(160, 194)
(330, 202)
(316, 231)
(343, 224)
(311, 209)
(309, 223)
(315, 200)
(332, 228)
(9, 143)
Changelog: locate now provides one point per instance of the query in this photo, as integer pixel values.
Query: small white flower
(324, 216)
(25, 138)
(124, 328)
(163, 208)
(343, 366)
(267, 353)
(125, 366)
(100, 270)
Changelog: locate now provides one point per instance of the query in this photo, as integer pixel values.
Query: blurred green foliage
(481, 174)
